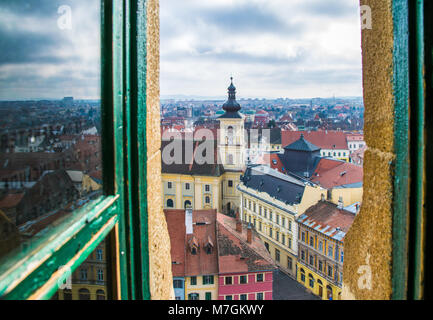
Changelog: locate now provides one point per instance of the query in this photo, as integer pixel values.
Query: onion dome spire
(231, 104)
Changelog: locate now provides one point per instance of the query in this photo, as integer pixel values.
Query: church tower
(231, 149)
(231, 134)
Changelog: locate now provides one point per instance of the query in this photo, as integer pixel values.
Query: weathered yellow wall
(368, 244)
(161, 283)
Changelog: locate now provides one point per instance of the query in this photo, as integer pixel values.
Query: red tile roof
(190, 264)
(327, 218)
(322, 139)
(235, 254)
(332, 173)
(354, 137)
(176, 229)
(272, 160)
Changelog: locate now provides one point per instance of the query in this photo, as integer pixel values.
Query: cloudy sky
(273, 48)
(41, 57)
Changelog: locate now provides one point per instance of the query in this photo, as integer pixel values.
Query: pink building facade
(258, 286)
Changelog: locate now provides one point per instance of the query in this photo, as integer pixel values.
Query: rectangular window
(289, 263)
(254, 207)
(177, 284)
(259, 277)
(312, 260)
(266, 213)
(311, 241)
(330, 271)
(330, 250)
(228, 280)
(283, 222)
(320, 265)
(229, 297)
(321, 246)
(260, 296)
(243, 297)
(290, 225)
(207, 188)
(277, 219)
(230, 183)
(208, 296)
(99, 255)
(243, 279)
(260, 210)
(290, 243)
(277, 255)
(270, 232)
(277, 235)
(303, 236)
(169, 185)
(187, 186)
(283, 239)
(100, 275)
(208, 279)
(342, 256)
(193, 281)
(260, 226)
(83, 274)
(302, 255)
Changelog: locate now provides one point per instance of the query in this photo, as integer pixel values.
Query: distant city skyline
(279, 48)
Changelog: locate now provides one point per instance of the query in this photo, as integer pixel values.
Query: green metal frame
(413, 85)
(401, 145)
(34, 273)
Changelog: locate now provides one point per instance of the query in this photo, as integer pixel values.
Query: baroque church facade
(208, 185)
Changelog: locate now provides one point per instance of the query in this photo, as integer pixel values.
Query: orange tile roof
(176, 229)
(190, 264)
(235, 254)
(323, 139)
(332, 173)
(272, 160)
(325, 217)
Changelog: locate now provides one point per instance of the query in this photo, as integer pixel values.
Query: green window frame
(121, 213)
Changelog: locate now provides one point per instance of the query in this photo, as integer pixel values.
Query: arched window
(84, 294)
(302, 275)
(230, 135)
(311, 280)
(100, 295)
(207, 199)
(329, 292)
(170, 203)
(193, 296)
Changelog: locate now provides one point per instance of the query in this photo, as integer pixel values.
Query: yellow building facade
(275, 221)
(89, 280)
(321, 231)
(201, 287)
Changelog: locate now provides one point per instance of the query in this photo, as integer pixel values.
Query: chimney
(340, 203)
(249, 233)
(238, 223)
(188, 220)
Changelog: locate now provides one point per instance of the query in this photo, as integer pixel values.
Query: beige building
(271, 202)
